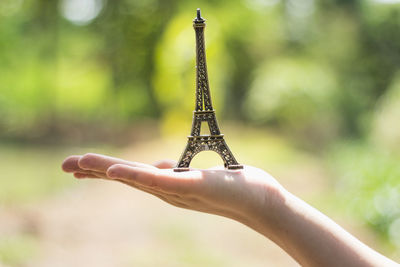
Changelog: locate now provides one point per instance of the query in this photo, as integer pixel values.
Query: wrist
(266, 214)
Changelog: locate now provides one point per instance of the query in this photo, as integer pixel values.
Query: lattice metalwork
(204, 112)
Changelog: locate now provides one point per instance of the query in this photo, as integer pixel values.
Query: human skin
(250, 196)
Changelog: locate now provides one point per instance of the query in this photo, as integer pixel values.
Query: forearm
(312, 238)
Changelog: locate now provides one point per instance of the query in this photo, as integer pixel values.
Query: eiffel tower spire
(203, 98)
(204, 112)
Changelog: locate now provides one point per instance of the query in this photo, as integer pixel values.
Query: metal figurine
(204, 112)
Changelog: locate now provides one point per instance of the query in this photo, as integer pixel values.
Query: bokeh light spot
(81, 12)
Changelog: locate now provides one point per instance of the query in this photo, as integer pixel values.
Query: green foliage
(385, 129)
(369, 186)
(311, 62)
(293, 93)
(318, 71)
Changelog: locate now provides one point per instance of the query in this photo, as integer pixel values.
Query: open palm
(230, 193)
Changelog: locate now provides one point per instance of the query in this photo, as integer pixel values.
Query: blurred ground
(100, 223)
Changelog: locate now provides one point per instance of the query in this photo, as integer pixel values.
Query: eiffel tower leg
(229, 160)
(190, 151)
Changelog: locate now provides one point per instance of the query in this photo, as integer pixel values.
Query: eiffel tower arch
(204, 112)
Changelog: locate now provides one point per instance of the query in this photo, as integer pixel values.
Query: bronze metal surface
(204, 112)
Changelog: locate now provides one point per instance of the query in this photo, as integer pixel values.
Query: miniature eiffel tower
(204, 112)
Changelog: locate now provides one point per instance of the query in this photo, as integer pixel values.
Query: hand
(236, 194)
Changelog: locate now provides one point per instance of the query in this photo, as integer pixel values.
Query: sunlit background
(307, 90)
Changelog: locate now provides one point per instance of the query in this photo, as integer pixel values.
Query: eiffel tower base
(197, 144)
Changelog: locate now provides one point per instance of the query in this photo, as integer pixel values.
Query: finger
(163, 180)
(101, 163)
(170, 199)
(93, 174)
(165, 164)
(70, 164)
(81, 175)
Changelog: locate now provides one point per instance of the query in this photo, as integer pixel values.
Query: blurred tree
(131, 30)
(101, 60)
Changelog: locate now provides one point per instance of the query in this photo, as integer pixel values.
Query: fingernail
(111, 173)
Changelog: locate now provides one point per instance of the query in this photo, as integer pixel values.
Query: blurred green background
(307, 90)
